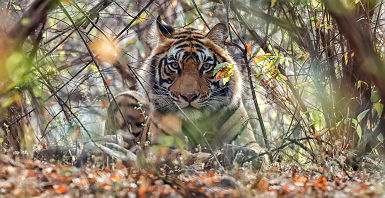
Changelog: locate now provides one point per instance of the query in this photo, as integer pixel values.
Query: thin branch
(200, 15)
(133, 20)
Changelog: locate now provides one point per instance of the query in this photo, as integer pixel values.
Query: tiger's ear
(164, 30)
(218, 34)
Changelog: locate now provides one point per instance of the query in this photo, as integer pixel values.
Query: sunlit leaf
(346, 58)
(272, 3)
(225, 80)
(224, 71)
(261, 58)
(379, 107)
(16, 7)
(360, 82)
(362, 115)
(106, 50)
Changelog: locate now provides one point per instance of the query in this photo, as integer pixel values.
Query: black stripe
(159, 53)
(189, 31)
(183, 32)
(194, 55)
(181, 37)
(188, 45)
(152, 68)
(198, 37)
(188, 39)
(200, 50)
(161, 130)
(161, 80)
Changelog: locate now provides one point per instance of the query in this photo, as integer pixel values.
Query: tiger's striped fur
(184, 97)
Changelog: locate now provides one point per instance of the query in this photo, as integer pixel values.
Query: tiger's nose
(189, 97)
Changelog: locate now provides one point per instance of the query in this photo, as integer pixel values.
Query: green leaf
(374, 97)
(25, 21)
(272, 63)
(362, 115)
(380, 138)
(219, 67)
(359, 131)
(379, 107)
(317, 119)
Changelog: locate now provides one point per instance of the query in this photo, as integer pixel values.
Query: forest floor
(26, 178)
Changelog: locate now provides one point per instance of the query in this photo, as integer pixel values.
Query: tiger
(182, 95)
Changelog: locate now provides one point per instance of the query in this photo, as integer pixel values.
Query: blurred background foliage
(313, 70)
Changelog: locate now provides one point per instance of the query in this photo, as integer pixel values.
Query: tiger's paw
(127, 115)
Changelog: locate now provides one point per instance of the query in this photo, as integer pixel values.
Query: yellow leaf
(132, 41)
(16, 7)
(346, 58)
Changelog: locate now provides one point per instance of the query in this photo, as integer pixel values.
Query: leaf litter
(26, 178)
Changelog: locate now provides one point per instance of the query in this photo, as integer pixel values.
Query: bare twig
(200, 15)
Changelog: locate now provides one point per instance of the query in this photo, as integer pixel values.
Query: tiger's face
(182, 67)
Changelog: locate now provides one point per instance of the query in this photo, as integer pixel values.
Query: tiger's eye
(174, 66)
(207, 66)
